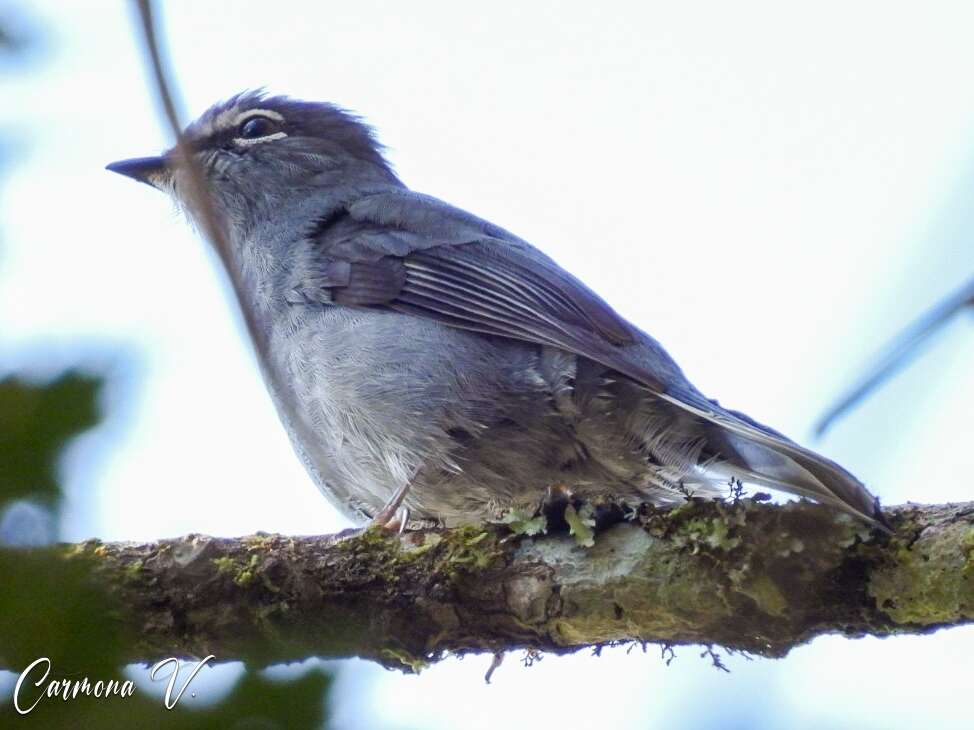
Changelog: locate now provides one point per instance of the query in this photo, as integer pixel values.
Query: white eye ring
(258, 120)
(250, 142)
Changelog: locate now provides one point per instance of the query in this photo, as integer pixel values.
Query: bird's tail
(759, 455)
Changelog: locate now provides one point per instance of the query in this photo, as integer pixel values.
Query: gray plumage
(407, 343)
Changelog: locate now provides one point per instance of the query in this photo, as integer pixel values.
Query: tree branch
(749, 577)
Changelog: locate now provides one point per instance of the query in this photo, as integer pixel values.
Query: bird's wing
(417, 255)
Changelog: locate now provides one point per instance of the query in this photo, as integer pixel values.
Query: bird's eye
(257, 127)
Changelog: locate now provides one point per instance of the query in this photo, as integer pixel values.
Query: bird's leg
(403, 519)
(388, 517)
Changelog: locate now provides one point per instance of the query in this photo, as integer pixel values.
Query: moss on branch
(746, 576)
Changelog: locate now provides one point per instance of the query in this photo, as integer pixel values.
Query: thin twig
(198, 193)
(900, 352)
(212, 223)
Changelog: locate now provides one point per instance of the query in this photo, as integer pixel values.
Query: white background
(771, 192)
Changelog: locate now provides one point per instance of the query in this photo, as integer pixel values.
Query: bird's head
(260, 154)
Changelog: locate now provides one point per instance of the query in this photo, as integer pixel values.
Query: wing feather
(469, 274)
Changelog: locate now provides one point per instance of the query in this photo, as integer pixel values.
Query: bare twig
(900, 352)
(212, 223)
(198, 192)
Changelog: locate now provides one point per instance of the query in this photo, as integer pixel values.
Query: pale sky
(772, 193)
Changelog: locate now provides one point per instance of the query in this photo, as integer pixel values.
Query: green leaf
(49, 608)
(36, 421)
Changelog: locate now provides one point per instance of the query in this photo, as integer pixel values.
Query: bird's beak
(154, 171)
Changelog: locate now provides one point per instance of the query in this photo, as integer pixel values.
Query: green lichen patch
(701, 526)
(927, 582)
(765, 593)
(968, 548)
(581, 524)
(413, 664)
(246, 576)
(413, 551)
(240, 572)
(224, 565)
(525, 522)
(469, 547)
(449, 553)
(260, 541)
(133, 569)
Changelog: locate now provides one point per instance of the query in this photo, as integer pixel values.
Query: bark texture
(744, 576)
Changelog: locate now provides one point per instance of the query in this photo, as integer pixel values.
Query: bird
(432, 368)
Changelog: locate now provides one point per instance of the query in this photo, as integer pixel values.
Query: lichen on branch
(745, 576)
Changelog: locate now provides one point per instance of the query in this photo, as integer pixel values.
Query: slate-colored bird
(427, 362)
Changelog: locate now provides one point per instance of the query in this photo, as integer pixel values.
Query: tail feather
(766, 457)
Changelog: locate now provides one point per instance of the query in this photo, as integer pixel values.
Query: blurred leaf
(35, 423)
(8, 40)
(48, 608)
(15, 31)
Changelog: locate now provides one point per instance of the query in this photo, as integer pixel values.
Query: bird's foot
(394, 516)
